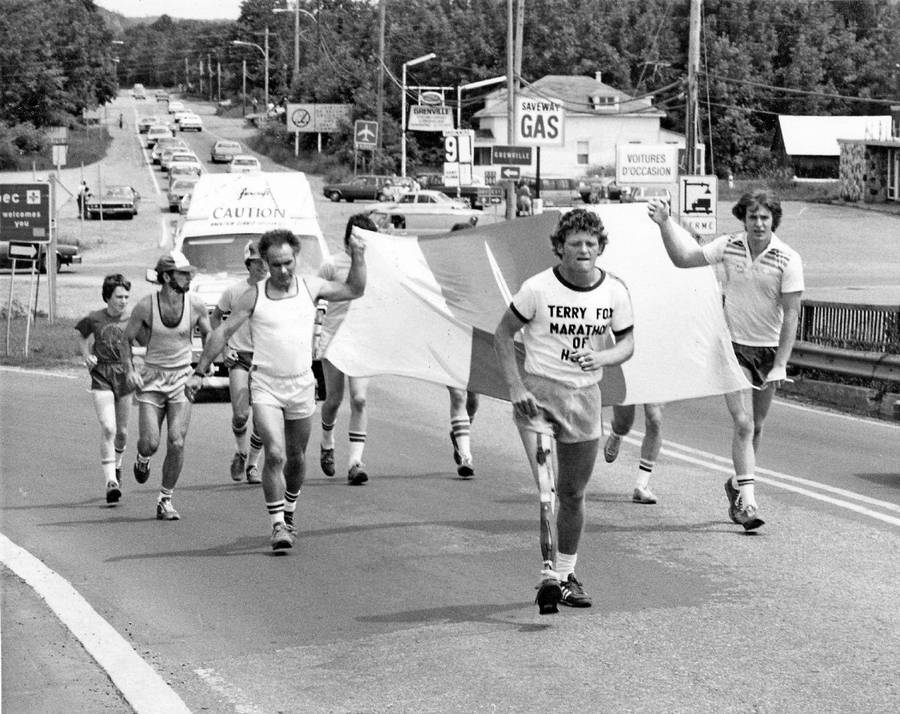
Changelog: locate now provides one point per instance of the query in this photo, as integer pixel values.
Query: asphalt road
(414, 592)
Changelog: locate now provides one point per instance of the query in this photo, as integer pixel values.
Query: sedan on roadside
(190, 122)
(115, 201)
(155, 132)
(243, 164)
(179, 187)
(224, 151)
(144, 123)
(171, 144)
(183, 158)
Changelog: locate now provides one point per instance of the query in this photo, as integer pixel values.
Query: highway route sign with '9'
(25, 212)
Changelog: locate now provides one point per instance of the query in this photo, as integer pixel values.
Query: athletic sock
(645, 468)
(357, 446)
(143, 460)
(290, 504)
(565, 564)
(327, 435)
(120, 455)
(165, 493)
(461, 428)
(256, 446)
(276, 511)
(745, 484)
(109, 470)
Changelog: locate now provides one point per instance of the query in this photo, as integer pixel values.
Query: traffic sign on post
(510, 172)
(365, 134)
(539, 121)
(23, 251)
(697, 203)
(516, 155)
(25, 213)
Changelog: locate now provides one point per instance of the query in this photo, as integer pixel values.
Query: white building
(596, 119)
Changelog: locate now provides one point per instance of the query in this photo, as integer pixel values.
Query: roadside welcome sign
(25, 212)
(646, 163)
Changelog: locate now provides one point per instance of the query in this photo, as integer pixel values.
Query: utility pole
(200, 75)
(219, 75)
(691, 119)
(243, 88)
(209, 70)
(187, 80)
(510, 103)
(379, 100)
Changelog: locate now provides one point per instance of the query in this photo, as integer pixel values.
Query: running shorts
(294, 395)
(569, 414)
(242, 360)
(110, 377)
(757, 361)
(163, 386)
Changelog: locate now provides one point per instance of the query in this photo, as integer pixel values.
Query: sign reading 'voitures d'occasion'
(25, 212)
(646, 163)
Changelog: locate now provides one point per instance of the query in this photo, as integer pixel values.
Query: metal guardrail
(858, 327)
(871, 365)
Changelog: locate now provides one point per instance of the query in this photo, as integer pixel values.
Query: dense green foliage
(758, 58)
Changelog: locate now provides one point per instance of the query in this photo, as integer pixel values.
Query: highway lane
(414, 592)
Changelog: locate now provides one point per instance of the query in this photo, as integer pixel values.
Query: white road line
(227, 691)
(721, 464)
(851, 417)
(149, 164)
(38, 372)
(138, 682)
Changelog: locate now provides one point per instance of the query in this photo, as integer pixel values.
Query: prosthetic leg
(549, 591)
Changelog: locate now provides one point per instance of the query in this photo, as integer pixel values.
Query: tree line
(758, 58)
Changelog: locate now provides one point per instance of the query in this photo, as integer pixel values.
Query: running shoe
(465, 468)
(357, 475)
(165, 511)
(238, 463)
(282, 537)
(733, 497)
(643, 495)
(748, 517)
(549, 593)
(253, 474)
(457, 457)
(289, 519)
(141, 472)
(573, 594)
(326, 461)
(611, 448)
(113, 492)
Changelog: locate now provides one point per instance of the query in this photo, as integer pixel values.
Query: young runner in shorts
(564, 314)
(100, 335)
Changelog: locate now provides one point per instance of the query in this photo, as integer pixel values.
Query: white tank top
(282, 331)
(169, 347)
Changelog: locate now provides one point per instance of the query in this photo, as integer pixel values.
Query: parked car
(176, 106)
(66, 254)
(555, 191)
(594, 189)
(115, 201)
(224, 151)
(641, 192)
(190, 122)
(393, 188)
(180, 187)
(478, 196)
(172, 144)
(358, 188)
(157, 131)
(188, 159)
(243, 164)
(425, 200)
(185, 168)
(144, 123)
(162, 95)
(138, 91)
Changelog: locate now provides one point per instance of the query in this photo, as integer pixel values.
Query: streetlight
(265, 53)
(296, 10)
(472, 85)
(417, 60)
(116, 62)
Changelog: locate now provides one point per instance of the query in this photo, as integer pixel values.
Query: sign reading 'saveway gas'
(646, 163)
(25, 212)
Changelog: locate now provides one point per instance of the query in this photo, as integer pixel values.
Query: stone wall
(852, 170)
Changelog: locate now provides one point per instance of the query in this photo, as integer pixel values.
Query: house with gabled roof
(597, 118)
(810, 144)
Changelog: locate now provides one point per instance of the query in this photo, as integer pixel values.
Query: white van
(227, 211)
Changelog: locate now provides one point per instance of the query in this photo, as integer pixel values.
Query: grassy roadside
(50, 346)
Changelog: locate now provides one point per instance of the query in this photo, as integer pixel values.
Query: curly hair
(278, 237)
(578, 220)
(759, 197)
(113, 281)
